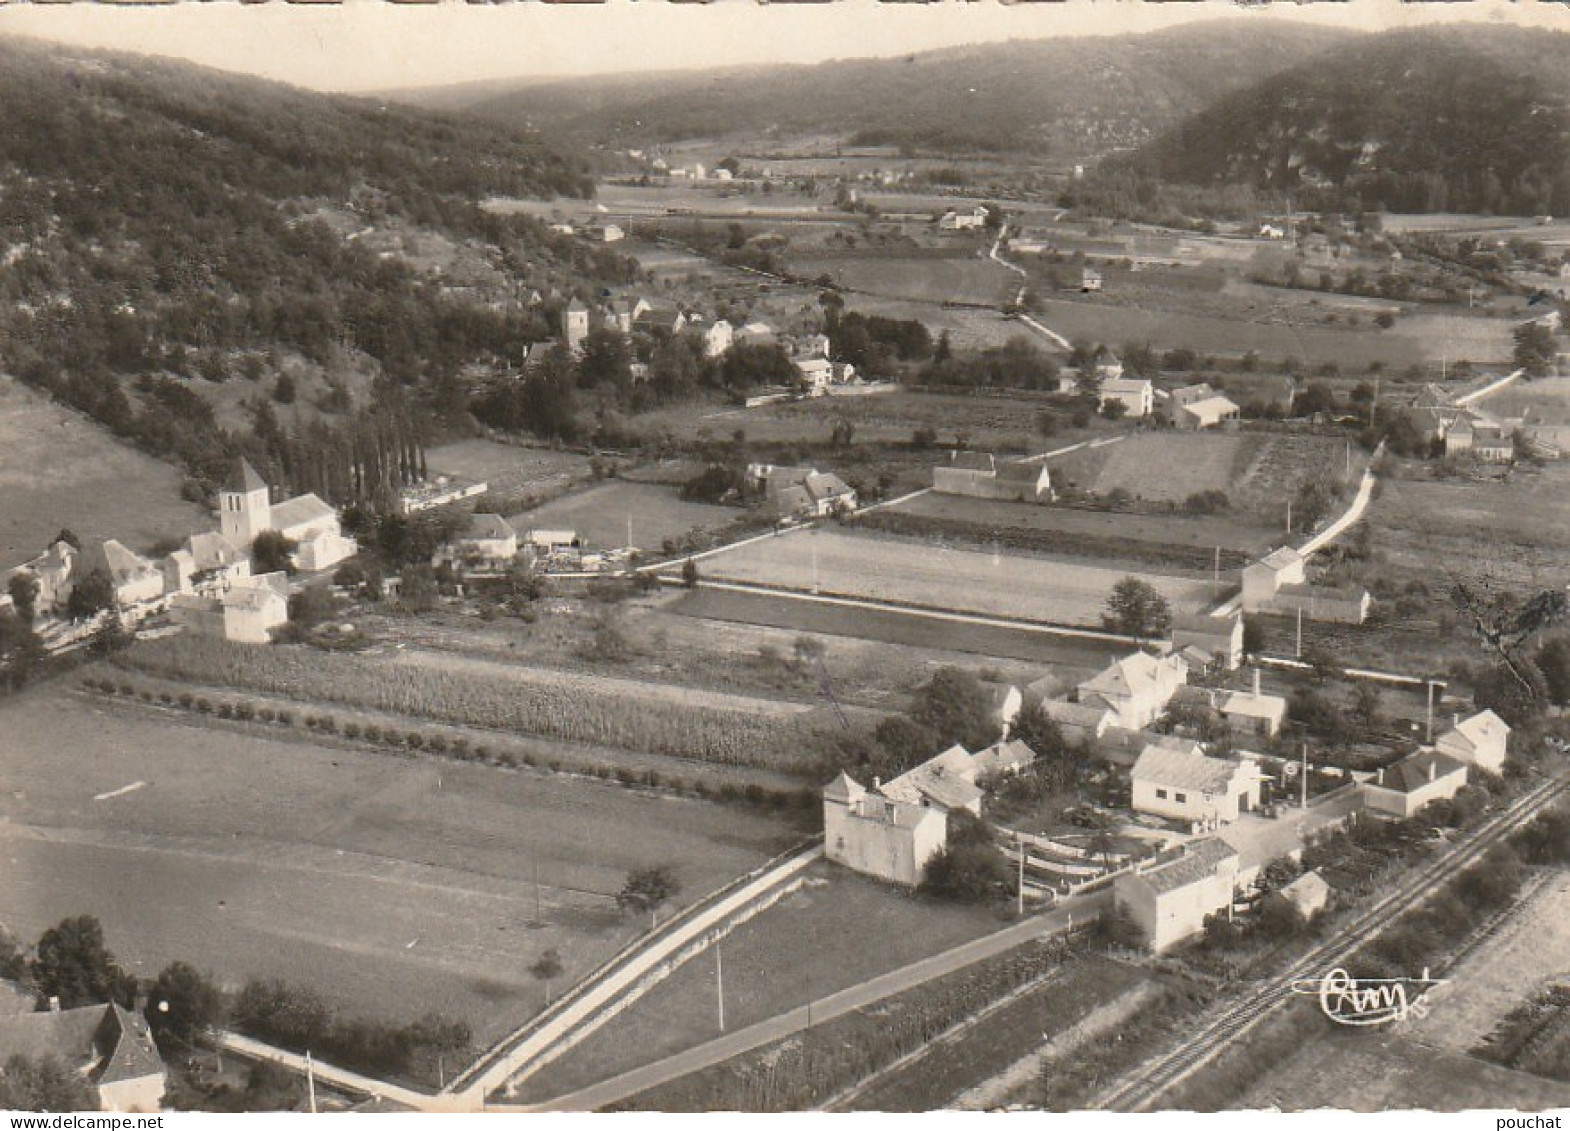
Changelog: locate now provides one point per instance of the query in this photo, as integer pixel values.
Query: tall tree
(1135, 608)
(72, 963)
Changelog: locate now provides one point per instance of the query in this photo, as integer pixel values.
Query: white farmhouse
(1135, 394)
(1188, 785)
(878, 835)
(1481, 741)
(1169, 901)
(1404, 787)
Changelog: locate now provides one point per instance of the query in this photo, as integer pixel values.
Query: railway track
(1141, 1089)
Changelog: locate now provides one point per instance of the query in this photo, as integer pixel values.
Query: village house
(206, 565)
(1080, 722)
(1090, 281)
(575, 325)
(247, 610)
(56, 571)
(1210, 412)
(1135, 394)
(893, 829)
(816, 375)
(1482, 436)
(755, 334)
(1482, 740)
(1179, 781)
(1005, 702)
(972, 220)
(1404, 787)
(1218, 638)
(110, 1047)
(244, 512)
(1252, 713)
(1263, 579)
(979, 475)
(795, 491)
(135, 579)
(551, 543)
(486, 542)
(1170, 900)
(879, 836)
(1136, 688)
(718, 339)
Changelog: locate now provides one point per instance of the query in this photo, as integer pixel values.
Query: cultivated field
(392, 885)
(837, 931)
(975, 279)
(488, 697)
(935, 641)
(604, 514)
(992, 423)
(918, 574)
(1416, 338)
(1180, 530)
(510, 470)
(1516, 531)
(58, 468)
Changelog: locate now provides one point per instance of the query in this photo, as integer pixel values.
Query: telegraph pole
(1019, 843)
(1429, 728)
(1303, 773)
(1215, 576)
(1300, 632)
(719, 983)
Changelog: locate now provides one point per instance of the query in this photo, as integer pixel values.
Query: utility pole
(1215, 576)
(1289, 516)
(1429, 728)
(1019, 843)
(537, 891)
(1300, 632)
(719, 983)
(1303, 773)
(310, 1080)
(1373, 407)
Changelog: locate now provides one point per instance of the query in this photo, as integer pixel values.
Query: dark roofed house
(110, 1046)
(1170, 900)
(1405, 786)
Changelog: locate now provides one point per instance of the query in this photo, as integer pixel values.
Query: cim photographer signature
(1370, 1001)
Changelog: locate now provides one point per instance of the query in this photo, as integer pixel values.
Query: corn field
(706, 734)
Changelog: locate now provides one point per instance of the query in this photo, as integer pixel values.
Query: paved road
(342, 1077)
(537, 1045)
(1354, 514)
(824, 1009)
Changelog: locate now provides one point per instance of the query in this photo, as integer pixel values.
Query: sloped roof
(826, 485)
(1483, 728)
(243, 478)
(1137, 674)
(1202, 624)
(300, 510)
(1281, 558)
(1411, 773)
(1308, 892)
(843, 788)
(1199, 862)
(211, 550)
(1217, 405)
(489, 527)
(1084, 715)
(1011, 755)
(1261, 706)
(121, 562)
(1184, 769)
(1124, 385)
(791, 498)
(134, 1056)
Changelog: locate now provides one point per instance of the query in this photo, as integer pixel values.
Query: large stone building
(245, 510)
(1170, 900)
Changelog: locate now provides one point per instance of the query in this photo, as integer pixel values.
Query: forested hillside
(1074, 97)
(1465, 119)
(166, 229)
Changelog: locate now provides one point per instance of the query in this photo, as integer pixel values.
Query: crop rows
(675, 730)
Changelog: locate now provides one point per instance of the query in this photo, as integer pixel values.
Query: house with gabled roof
(1404, 787)
(1135, 394)
(1170, 899)
(487, 541)
(56, 570)
(1263, 579)
(1210, 412)
(110, 1046)
(1482, 740)
(877, 835)
(136, 580)
(1136, 688)
(206, 564)
(1218, 638)
(1181, 782)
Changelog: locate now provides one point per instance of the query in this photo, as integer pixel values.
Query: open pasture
(913, 573)
(1169, 529)
(606, 514)
(392, 885)
(511, 470)
(57, 468)
(918, 279)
